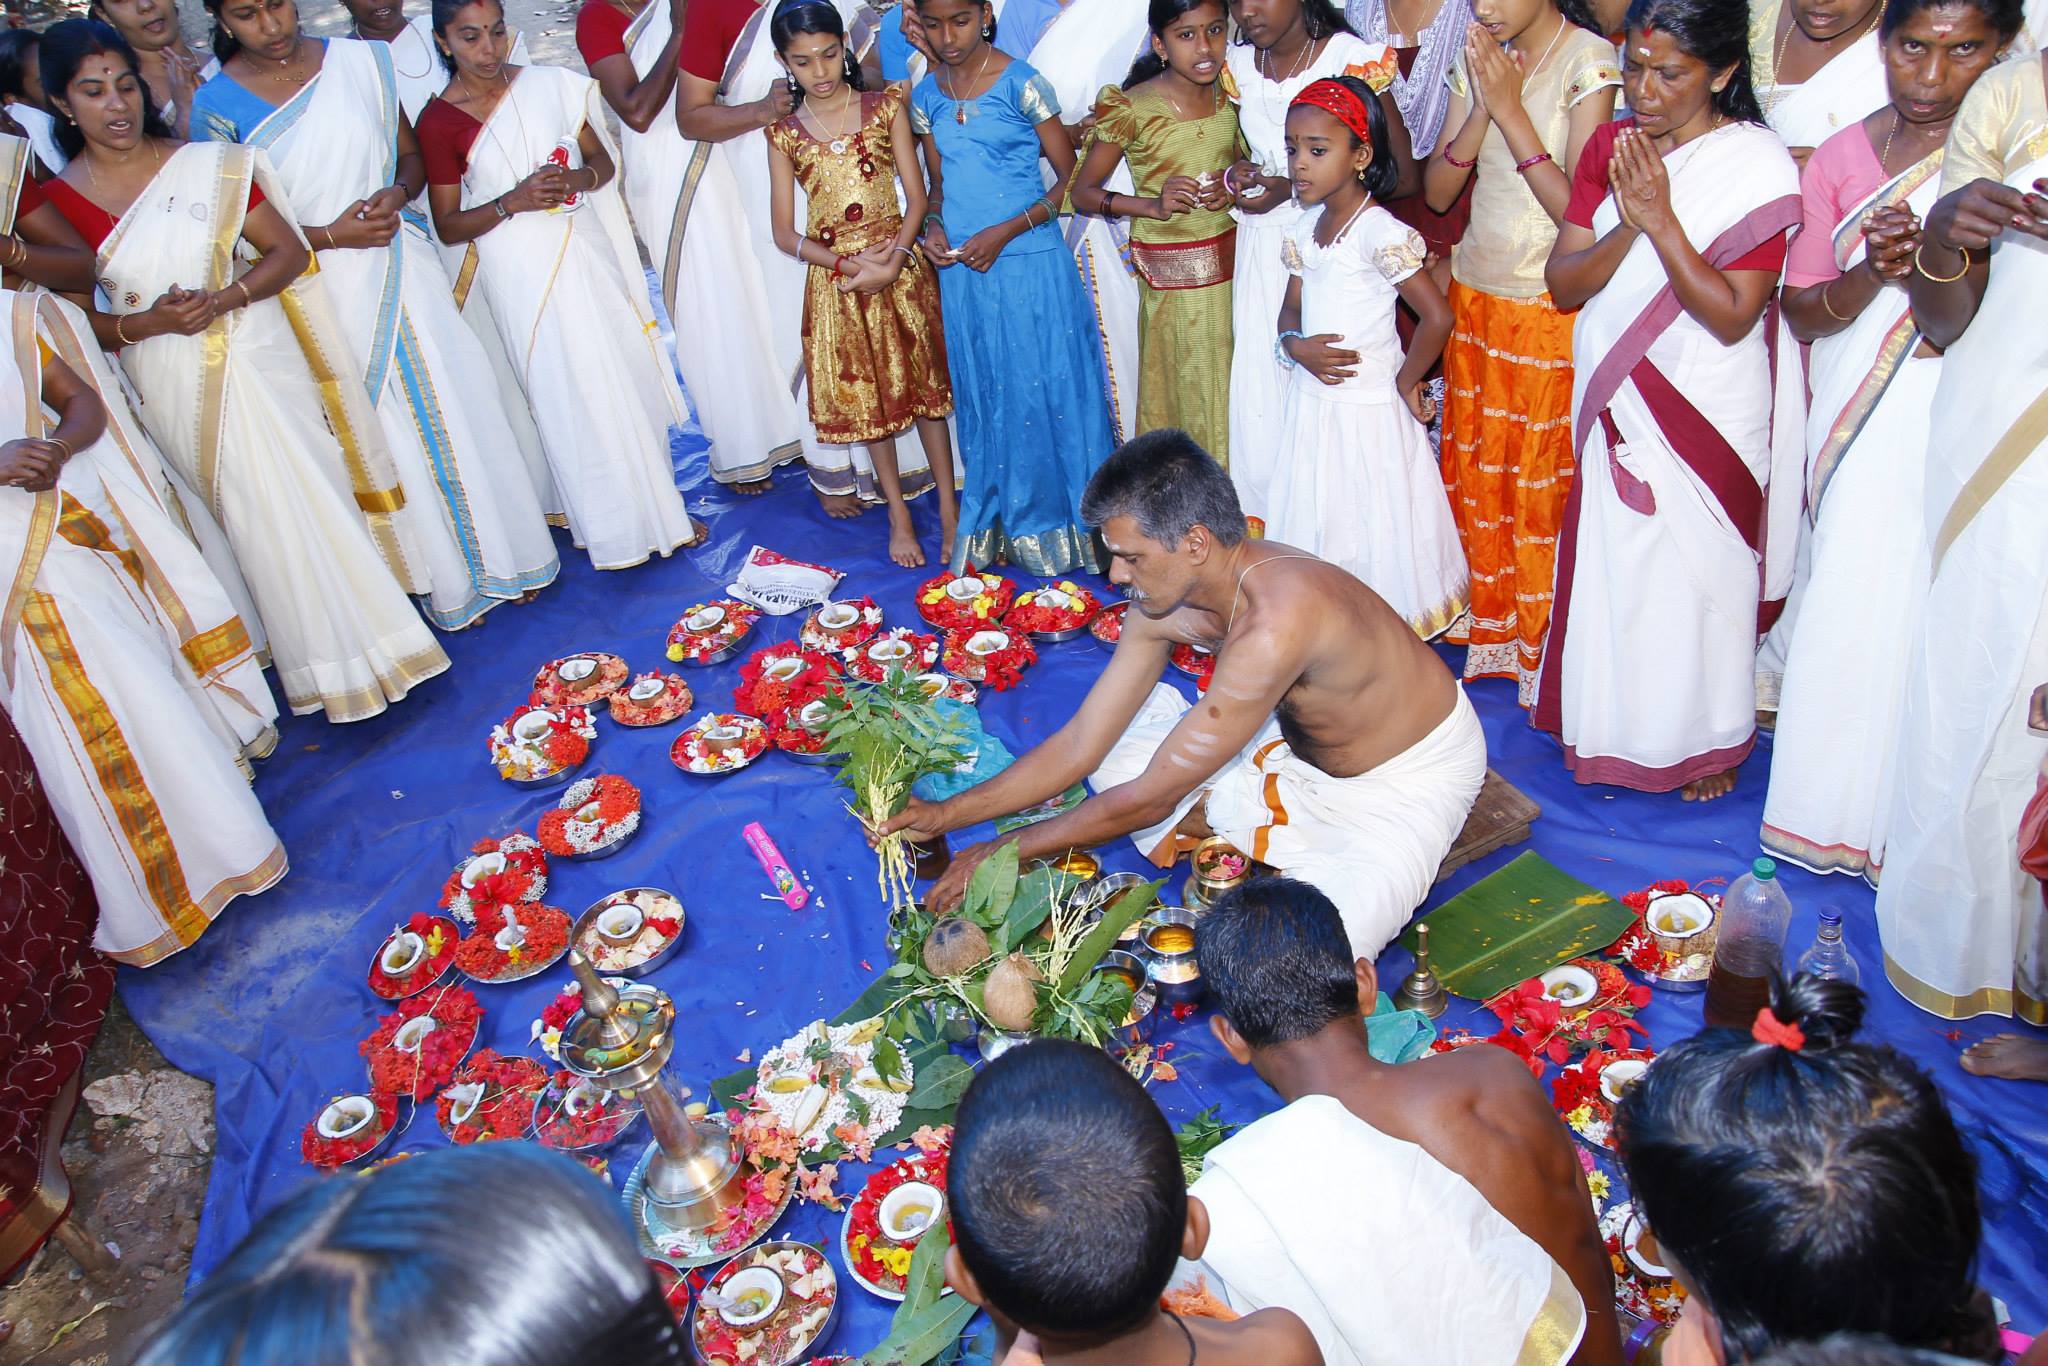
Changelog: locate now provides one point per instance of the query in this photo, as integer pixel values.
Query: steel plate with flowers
(1108, 626)
(491, 1099)
(1587, 1092)
(500, 872)
(776, 679)
(347, 1130)
(963, 602)
(897, 1206)
(535, 746)
(841, 628)
(1643, 1285)
(938, 686)
(675, 1289)
(512, 943)
(415, 1050)
(711, 632)
(418, 954)
(827, 1077)
(1672, 944)
(768, 1156)
(901, 648)
(594, 818)
(719, 742)
(652, 699)
(767, 1307)
(1059, 611)
(571, 1113)
(1197, 662)
(630, 931)
(579, 680)
(991, 656)
(802, 731)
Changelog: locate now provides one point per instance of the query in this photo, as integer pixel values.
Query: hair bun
(1827, 1012)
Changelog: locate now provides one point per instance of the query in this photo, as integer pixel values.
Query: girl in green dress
(1173, 122)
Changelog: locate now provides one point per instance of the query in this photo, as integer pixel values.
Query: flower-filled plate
(675, 1288)
(1197, 663)
(801, 733)
(571, 1113)
(777, 679)
(893, 1211)
(1643, 1285)
(768, 1160)
(961, 602)
(630, 931)
(937, 686)
(539, 745)
(491, 1099)
(711, 632)
(417, 955)
(652, 699)
(415, 1050)
(500, 872)
(512, 943)
(347, 1130)
(901, 648)
(826, 1077)
(1108, 626)
(719, 742)
(841, 628)
(767, 1307)
(1671, 945)
(1059, 611)
(594, 818)
(1587, 1092)
(578, 680)
(992, 656)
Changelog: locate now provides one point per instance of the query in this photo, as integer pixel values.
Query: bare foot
(948, 532)
(2012, 1056)
(1708, 788)
(528, 596)
(903, 546)
(843, 506)
(753, 488)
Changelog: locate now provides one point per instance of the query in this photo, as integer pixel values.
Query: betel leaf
(888, 1059)
(1122, 913)
(1516, 923)
(1028, 910)
(940, 1082)
(992, 888)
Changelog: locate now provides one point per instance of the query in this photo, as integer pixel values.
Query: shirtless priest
(1332, 745)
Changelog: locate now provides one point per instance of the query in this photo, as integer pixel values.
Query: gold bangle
(1921, 266)
(1829, 306)
(60, 442)
(121, 321)
(247, 297)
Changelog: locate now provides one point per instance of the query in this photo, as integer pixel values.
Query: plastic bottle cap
(1764, 869)
(1830, 916)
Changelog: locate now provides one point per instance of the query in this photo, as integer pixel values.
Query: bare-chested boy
(1431, 1212)
(1070, 1214)
(1332, 744)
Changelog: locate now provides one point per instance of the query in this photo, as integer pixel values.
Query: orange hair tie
(1772, 1030)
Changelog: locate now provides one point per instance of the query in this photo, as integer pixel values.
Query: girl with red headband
(1172, 122)
(1358, 485)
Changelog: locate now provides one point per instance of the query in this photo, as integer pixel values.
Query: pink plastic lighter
(776, 866)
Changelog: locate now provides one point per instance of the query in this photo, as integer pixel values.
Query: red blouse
(1590, 187)
(30, 199)
(446, 134)
(711, 29)
(601, 30)
(94, 223)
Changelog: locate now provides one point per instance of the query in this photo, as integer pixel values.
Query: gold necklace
(835, 138)
(279, 75)
(157, 164)
(1785, 43)
(960, 105)
(1308, 52)
(1884, 158)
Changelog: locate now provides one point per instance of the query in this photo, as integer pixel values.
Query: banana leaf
(1515, 924)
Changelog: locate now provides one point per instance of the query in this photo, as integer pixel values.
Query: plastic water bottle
(1751, 946)
(1829, 957)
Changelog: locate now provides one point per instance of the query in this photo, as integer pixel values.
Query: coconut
(954, 945)
(1010, 996)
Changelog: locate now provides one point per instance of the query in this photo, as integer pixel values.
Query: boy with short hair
(1070, 1213)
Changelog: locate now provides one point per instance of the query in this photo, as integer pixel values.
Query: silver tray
(550, 1093)
(811, 1350)
(633, 1197)
(533, 970)
(615, 846)
(555, 779)
(1056, 637)
(719, 657)
(585, 922)
(822, 758)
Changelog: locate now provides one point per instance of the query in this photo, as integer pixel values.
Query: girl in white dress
(519, 165)
(1358, 483)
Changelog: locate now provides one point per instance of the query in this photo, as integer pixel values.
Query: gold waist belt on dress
(1186, 265)
(850, 239)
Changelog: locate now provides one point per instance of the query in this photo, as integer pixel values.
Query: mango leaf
(1516, 923)
(925, 1282)
(992, 888)
(915, 1340)
(940, 1082)
(1033, 903)
(1122, 913)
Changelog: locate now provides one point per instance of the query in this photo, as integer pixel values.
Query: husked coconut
(955, 945)
(1010, 996)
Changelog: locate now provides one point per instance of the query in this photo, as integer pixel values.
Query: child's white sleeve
(1290, 252)
(1399, 251)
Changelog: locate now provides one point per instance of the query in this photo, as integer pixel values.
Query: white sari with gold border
(1962, 924)
(566, 290)
(1866, 572)
(264, 414)
(478, 520)
(1839, 94)
(117, 650)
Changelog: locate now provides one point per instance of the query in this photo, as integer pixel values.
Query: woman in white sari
(278, 439)
(1686, 420)
(520, 168)
(730, 86)
(1963, 927)
(122, 662)
(1872, 378)
(1817, 66)
(349, 162)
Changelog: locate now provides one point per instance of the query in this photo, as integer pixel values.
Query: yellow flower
(897, 1259)
(675, 654)
(933, 596)
(859, 1243)
(434, 941)
(981, 606)
(1025, 598)
(1598, 1184)
(1582, 1115)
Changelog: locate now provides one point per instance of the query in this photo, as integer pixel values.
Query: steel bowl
(586, 927)
(739, 643)
(1174, 973)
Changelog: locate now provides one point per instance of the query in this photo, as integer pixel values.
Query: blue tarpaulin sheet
(270, 1005)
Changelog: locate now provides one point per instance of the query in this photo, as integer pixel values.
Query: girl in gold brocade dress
(872, 337)
(1173, 123)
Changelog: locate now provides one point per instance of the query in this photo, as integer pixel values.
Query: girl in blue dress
(1028, 387)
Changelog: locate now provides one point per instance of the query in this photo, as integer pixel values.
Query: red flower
(330, 1153)
(560, 1010)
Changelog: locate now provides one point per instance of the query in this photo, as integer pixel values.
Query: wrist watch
(499, 205)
